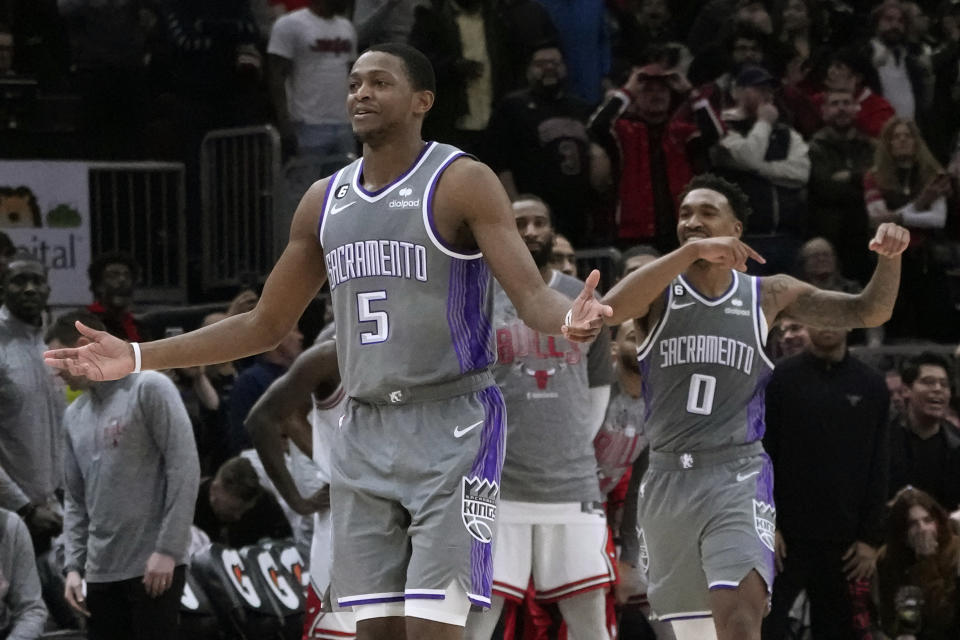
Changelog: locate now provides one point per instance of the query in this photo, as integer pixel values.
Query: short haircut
(238, 478)
(99, 264)
(533, 197)
(7, 248)
(739, 202)
(911, 369)
(417, 66)
(64, 329)
(634, 251)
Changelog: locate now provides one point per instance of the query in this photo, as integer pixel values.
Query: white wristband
(136, 356)
(568, 319)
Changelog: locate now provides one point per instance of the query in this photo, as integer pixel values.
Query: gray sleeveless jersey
(704, 369)
(409, 310)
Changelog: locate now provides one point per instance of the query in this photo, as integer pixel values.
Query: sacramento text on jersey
(706, 349)
(367, 258)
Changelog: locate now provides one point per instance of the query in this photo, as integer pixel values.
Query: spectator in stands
(131, 476)
(903, 77)
(917, 570)
(379, 21)
(7, 251)
(925, 448)
(634, 258)
(108, 47)
(551, 524)
(32, 401)
(907, 185)
(839, 157)
(39, 48)
(944, 119)
(538, 142)
(253, 381)
(214, 65)
(112, 278)
(817, 264)
(310, 53)
(22, 612)
(652, 156)
(235, 510)
(898, 394)
(640, 26)
(825, 410)
(851, 71)
(585, 42)
(714, 72)
(468, 58)
(768, 160)
(523, 26)
(792, 336)
(562, 256)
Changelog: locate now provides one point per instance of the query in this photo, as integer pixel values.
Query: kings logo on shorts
(479, 508)
(764, 517)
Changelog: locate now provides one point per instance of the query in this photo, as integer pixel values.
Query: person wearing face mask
(538, 142)
(917, 570)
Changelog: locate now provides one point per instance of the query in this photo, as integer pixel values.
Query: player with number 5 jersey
(706, 518)
(409, 237)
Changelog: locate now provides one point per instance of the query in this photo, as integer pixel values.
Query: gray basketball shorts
(414, 492)
(702, 528)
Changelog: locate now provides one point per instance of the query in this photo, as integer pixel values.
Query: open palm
(101, 356)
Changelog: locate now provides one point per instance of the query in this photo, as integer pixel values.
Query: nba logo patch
(764, 516)
(342, 191)
(479, 507)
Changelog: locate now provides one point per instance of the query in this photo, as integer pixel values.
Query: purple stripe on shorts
(756, 408)
(683, 617)
(471, 331)
(765, 495)
(354, 603)
(424, 596)
(487, 466)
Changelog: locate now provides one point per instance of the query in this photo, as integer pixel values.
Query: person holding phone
(908, 186)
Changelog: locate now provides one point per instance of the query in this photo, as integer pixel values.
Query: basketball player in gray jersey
(705, 512)
(409, 236)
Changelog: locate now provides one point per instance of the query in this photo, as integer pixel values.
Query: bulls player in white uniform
(304, 406)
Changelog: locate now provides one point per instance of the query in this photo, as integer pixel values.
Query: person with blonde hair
(908, 186)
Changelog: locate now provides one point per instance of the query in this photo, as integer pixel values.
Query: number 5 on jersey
(380, 318)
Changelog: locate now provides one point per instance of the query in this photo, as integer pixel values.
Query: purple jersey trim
(487, 466)
(403, 175)
(471, 330)
(432, 189)
(424, 596)
(323, 207)
(733, 285)
(718, 587)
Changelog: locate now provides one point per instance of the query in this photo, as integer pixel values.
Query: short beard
(543, 255)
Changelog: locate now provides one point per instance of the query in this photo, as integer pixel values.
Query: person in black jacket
(827, 436)
(925, 448)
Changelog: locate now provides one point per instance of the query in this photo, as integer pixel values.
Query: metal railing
(239, 183)
(139, 208)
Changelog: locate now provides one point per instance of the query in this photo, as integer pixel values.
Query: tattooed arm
(870, 308)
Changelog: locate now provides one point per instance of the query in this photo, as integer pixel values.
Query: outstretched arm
(281, 412)
(870, 308)
(632, 296)
(491, 223)
(294, 281)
